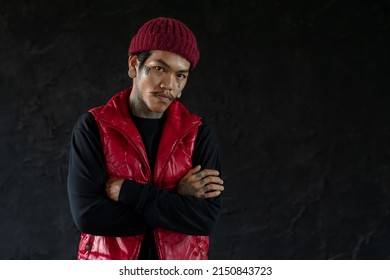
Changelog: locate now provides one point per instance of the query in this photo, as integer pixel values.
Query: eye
(181, 76)
(159, 68)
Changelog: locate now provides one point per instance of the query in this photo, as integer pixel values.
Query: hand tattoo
(188, 189)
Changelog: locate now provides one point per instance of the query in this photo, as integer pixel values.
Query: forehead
(172, 60)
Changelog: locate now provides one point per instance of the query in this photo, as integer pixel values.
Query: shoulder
(207, 132)
(87, 122)
(207, 128)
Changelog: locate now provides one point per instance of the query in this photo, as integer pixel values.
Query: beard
(140, 108)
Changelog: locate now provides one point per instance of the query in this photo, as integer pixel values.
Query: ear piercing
(132, 73)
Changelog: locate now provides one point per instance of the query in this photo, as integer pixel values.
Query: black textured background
(298, 91)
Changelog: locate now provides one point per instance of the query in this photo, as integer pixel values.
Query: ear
(179, 95)
(132, 62)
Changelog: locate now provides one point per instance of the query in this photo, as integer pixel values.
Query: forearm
(181, 213)
(99, 215)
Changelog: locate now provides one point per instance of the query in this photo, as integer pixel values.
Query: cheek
(181, 84)
(145, 81)
(149, 80)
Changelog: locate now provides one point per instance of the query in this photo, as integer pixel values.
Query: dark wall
(298, 91)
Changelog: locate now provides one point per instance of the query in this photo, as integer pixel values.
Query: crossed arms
(122, 207)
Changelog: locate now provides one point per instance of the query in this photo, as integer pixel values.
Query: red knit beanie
(166, 34)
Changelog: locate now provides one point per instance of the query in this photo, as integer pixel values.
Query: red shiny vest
(126, 157)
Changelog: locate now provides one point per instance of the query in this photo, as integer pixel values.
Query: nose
(168, 83)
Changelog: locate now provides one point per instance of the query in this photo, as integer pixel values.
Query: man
(144, 173)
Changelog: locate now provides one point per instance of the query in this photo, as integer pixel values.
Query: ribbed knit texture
(166, 34)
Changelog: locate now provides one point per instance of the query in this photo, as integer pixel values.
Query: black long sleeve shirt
(141, 207)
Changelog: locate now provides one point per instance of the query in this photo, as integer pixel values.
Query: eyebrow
(159, 60)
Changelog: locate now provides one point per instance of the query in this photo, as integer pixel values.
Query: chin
(159, 108)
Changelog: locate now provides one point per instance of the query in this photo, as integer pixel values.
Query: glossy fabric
(126, 157)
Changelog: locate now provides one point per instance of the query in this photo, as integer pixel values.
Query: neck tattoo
(140, 109)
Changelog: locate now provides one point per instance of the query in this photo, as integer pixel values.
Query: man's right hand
(201, 183)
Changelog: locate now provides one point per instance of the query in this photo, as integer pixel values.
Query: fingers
(208, 194)
(209, 180)
(209, 191)
(198, 174)
(110, 181)
(212, 187)
(206, 172)
(194, 170)
(212, 194)
(110, 192)
(201, 183)
(205, 176)
(113, 187)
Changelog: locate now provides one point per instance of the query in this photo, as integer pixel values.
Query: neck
(138, 108)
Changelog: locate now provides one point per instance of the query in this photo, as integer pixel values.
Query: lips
(163, 96)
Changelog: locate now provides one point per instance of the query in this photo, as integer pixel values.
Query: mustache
(165, 94)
